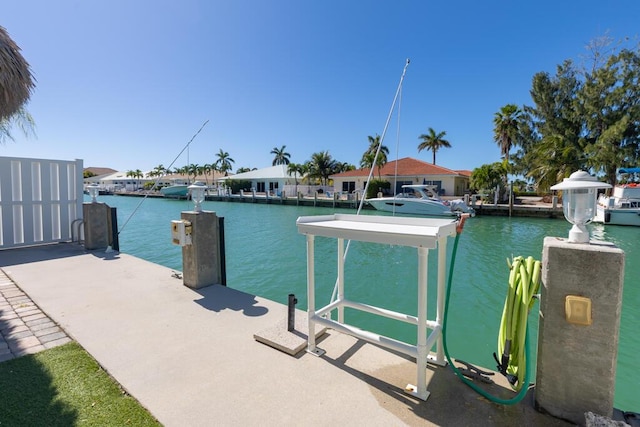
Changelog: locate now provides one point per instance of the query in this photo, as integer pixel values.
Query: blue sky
(126, 83)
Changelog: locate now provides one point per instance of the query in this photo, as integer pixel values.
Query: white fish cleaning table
(425, 234)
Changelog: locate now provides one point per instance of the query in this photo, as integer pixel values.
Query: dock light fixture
(197, 195)
(579, 203)
(94, 189)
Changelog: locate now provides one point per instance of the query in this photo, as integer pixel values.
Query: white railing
(39, 200)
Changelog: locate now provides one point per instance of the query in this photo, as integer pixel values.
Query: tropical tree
(208, 169)
(224, 161)
(610, 103)
(295, 169)
(488, 177)
(244, 169)
(369, 156)
(16, 85)
(281, 156)
(344, 167)
(322, 166)
(506, 126)
(157, 171)
(135, 174)
(553, 144)
(20, 119)
(433, 141)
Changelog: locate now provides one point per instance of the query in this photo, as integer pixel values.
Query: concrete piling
(580, 309)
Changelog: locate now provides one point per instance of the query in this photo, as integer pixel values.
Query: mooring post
(291, 315)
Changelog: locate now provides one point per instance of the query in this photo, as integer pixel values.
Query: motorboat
(420, 200)
(176, 190)
(623, 206)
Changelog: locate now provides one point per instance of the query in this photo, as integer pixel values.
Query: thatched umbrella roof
(16, 80)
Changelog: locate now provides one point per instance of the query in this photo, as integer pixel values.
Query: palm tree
(138, 174)
(368, 156)
(295, 169)
(207, 169)
(244, 169)
(16, 80)
(135, 174)
(224, 162)
(281, 156)
(22, 119)
(158, 171)
(433, 141)
(322, 166)
(506, 125)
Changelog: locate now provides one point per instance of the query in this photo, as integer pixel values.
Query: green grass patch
(65, 386)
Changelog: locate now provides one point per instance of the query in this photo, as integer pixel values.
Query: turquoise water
(267, 257)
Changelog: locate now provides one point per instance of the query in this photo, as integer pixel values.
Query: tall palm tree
(281, 156)
(223, 162)
(506, 125)
(368, 156)
(135, 174)
(138, 174)
(433, 141)
(295, 169)
(207, 169)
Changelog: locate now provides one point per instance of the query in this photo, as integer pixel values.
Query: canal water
(266, 256)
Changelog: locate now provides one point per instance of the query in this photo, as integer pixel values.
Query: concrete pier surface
(190, 357)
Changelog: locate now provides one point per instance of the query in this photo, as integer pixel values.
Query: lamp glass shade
(94, 190)
(579, 205)
(579, 208)
(197, 196)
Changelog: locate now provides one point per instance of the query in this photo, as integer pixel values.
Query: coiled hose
(513, 339)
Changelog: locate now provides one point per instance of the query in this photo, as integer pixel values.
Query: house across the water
(409, 171)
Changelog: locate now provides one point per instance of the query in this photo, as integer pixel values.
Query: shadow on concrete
(26, 255)
(217, 298)
(451, 402)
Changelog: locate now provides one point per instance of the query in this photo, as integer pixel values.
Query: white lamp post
(197, 196)
(579, 203)
(94, 189)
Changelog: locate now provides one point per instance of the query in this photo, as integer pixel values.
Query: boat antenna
(384, 132)
(155, 183)
(375, 160)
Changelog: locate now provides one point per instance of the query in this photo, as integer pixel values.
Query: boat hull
(175, 191)
(622, 208)
(411, 207)
(618, 216)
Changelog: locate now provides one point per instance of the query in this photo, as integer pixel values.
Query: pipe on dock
(291, 314)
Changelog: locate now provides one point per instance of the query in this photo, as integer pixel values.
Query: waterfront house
(409, 171)
(272, 179)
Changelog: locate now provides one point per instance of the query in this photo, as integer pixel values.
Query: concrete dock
(191, 359)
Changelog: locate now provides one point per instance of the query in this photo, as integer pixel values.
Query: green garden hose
(524, 282)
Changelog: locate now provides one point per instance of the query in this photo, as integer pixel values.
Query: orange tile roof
(407, 166)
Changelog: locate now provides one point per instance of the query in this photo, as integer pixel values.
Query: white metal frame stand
(422, 233)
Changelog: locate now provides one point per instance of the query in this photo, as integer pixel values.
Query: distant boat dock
(530, 207)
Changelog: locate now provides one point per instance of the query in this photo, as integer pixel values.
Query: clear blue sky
(126, 83)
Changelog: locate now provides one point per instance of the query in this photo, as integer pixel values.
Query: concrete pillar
(98, 228)
(201, 260)
(578, 344)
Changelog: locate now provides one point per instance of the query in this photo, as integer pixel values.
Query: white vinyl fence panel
(39, 200)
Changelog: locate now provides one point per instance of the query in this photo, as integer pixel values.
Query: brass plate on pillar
(577, 310)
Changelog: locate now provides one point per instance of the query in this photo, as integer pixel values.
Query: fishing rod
(375, 160)
(155, 184)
